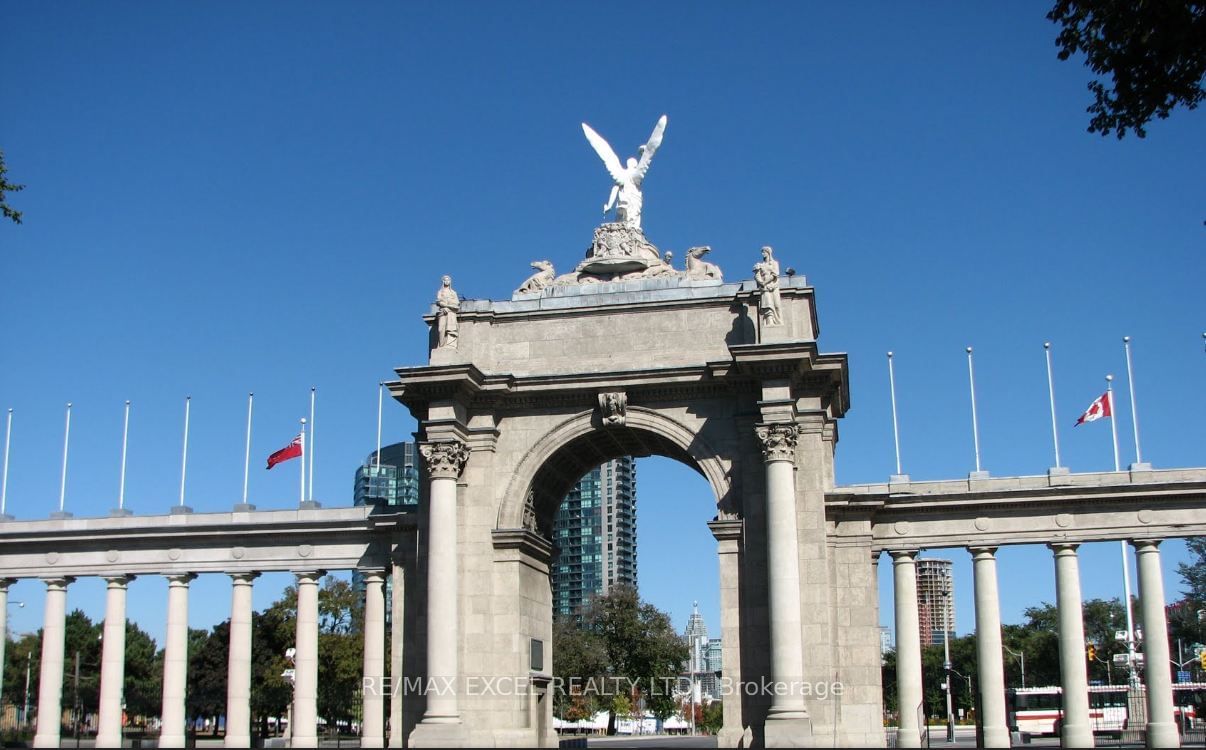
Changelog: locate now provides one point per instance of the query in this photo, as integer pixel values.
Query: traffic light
(1091, 653)
(1202, 658)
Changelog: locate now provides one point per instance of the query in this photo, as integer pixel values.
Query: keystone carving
(445, 459)
(613, 406)
(778, 441)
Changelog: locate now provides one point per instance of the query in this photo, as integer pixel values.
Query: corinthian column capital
(778, 440)
(445, 459)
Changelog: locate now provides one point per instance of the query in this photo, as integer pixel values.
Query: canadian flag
(1103, 406)
(293, 450)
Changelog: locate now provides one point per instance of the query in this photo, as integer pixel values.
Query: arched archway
(570, 449)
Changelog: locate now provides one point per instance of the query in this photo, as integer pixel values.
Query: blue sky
(228, 197)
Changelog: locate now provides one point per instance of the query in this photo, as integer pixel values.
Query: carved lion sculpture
(698, 268)
(539, 280)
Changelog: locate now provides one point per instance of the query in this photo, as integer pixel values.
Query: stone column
(175, 661)
(372, 731)
(444, 463)
(396, 635)
(1161, 724)
(989, 660)
(783, 562)
(304, 730)
(908, 647)
(113, 663)
(238, 671)
(728, 537)
(1075, 730)
(50, 680)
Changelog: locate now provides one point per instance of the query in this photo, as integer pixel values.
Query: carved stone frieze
(778, 440)
(445, 459)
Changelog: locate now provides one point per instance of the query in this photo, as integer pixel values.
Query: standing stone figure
(766, 273)
(626, 193)
(447, 305)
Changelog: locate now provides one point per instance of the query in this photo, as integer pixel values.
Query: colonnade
(175, 667)
(1075, 727)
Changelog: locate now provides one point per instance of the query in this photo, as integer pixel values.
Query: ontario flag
(1103, 406)
(292, 450)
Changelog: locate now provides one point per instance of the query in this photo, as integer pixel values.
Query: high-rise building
(394, 482)
(935, 600)
(594, 536)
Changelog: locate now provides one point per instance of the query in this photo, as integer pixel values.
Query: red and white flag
(1102, 407)
(293, 450)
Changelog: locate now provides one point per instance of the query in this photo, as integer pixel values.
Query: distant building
(885, 639)
(594, 536)
(935, 600)
(704, 655)
(392, 481)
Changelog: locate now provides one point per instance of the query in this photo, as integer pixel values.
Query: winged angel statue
(626, 193)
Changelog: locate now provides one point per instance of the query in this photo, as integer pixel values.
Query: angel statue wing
(601, 147)
(655, 140)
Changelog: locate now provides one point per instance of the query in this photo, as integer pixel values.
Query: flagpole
(311, 492)
(302, 498)
(8, 433)
(247, 448)
(1113, 419)
(1051, 393)
(895, 426)
(63, 476)
(971, 377)
(380, 390)
(1130, 382)
(184, 455)
(1130, 617)
(121, 486)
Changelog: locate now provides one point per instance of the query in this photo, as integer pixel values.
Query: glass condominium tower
(594, 536)
(394, 482)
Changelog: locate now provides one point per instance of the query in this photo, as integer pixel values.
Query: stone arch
(565, 453)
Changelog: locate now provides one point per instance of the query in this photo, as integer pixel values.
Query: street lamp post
(1021, 657)
(946, 663)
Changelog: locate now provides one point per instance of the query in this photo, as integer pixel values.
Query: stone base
(120, 512)
(244, 508)
(978, 475)
(898, 479)
(1058, 471)
(309, 505)
(618, 249)
(1145, 466)
(61, 515)
(180, 510)
(439, 735)
(788, 733)
(730, 737)
(6, 517)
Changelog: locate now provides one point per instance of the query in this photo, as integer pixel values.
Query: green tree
(208, 659)
(579, 656)
(641, 645)
(6, 186)
(1194, 573)
(1153, 52)
(143, 686)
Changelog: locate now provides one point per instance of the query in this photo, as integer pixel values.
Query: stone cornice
(525, 541)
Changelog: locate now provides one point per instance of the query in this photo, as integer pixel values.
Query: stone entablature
(1024, 510)
(261, 541)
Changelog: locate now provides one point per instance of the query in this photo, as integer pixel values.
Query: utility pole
(75, 713)
(28, 669)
